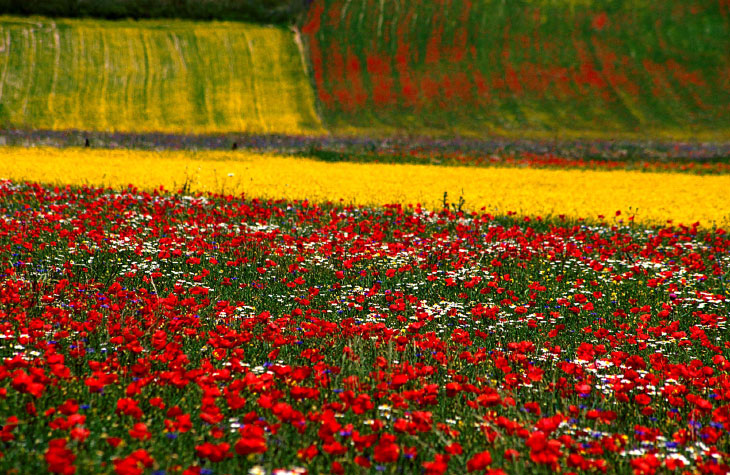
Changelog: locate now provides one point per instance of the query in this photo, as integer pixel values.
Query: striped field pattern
(517, 68)
(161, 76)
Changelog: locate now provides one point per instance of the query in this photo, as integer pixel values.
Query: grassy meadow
(153, 76)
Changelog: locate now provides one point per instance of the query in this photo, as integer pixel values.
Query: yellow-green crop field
(153, 76)
(653, 198)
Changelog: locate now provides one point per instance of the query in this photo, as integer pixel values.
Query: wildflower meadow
(403, 237)
(211, 334)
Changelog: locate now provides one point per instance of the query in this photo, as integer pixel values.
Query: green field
(523, 68)
(153, 76)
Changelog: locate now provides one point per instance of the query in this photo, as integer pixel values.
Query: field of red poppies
(164, 333)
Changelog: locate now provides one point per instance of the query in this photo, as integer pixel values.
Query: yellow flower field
(652, 197)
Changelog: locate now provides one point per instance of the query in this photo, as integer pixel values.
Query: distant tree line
(268, 11)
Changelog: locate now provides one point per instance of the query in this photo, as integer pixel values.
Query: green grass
(537, 68)
(153, 76)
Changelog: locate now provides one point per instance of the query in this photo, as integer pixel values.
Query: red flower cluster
(212, 334)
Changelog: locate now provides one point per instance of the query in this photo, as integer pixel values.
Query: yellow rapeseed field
(652, 197)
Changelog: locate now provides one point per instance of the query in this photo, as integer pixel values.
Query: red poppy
(214, 452)
(139, 431)
(60, 459)
(252, 441)
(479, 461)
(386, 450)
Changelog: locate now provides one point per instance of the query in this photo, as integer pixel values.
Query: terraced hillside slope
(153, 76)
(541, 68)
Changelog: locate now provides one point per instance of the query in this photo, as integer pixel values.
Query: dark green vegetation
(541, 68)
(269, 11)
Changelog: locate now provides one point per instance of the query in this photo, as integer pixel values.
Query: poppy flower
(140, 432)
(479, 461)
(214, 452)
(59, 458)
(252, 441)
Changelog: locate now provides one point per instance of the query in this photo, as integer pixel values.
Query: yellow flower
(683, 198)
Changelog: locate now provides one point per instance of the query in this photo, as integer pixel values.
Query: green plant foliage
(270, 11)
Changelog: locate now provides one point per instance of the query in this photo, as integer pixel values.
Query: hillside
(160, 76)
(535, 68)
(519, 69)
